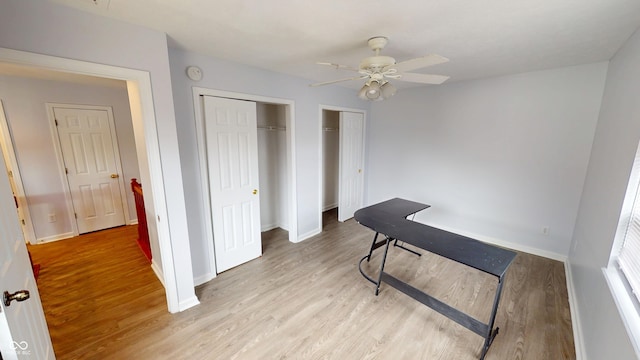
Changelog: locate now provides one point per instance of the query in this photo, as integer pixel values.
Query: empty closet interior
(272, 163)
(330, 159)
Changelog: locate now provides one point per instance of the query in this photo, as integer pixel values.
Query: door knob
(255, 191)
(18, 296)
(115, 176)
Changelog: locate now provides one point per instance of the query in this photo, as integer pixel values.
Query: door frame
(143, 114)
(321, 151)
(55, 137)
(204, 178)
(7, 145)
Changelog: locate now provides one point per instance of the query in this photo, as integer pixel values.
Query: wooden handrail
(143, 230)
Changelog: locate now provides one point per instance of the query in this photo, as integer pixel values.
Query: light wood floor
(298, 301)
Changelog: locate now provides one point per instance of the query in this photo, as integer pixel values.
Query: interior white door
(14, 175)
(88, 147)
(351, 172)
(232, 155)
(23, 328)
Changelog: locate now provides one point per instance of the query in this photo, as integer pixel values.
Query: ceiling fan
(378, 69)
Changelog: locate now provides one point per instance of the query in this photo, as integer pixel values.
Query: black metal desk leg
(491, 332)
(395, 243)
(373, 244)
(384, 258)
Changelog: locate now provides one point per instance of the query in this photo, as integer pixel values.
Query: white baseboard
(157, 269)
(133, 222)
(329, 207)
(203, 278)
(308, 235)
(506, 244)
(54, 238)
(268, 227)
(575, 318)
(188, 303)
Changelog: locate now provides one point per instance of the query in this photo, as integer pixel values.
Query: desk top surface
(389, 218)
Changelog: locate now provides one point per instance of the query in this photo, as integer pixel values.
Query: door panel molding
(232, 152)
(61, 166)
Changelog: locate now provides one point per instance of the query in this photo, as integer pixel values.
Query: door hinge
(23, 222)
(55, 121)
(76, 215)
(66, 171)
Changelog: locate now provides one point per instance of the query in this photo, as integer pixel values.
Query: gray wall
(499, 159)
(615, 143)
(24, 104)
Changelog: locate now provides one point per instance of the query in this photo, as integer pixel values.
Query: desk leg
(384, 258)
(373, 246)
(395, 244)
(491, 331)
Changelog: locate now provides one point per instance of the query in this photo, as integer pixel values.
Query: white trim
(202, 155)
(329, 207)
(199, 280)
(502, 243)
(9, 152)
(268, 227)
(157, 269)
(576, 324)
(55, 237)
(624, 303)
(140, 81)
(321, 154)
(55, 137)
(310, 234)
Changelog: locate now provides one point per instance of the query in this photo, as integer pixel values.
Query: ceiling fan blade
(337, 66)
(419, 63)
(423, 78)
(339, 80)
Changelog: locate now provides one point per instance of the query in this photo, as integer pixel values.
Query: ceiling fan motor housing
(376, 62)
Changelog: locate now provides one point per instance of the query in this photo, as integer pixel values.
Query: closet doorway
(276, 164)
(272, 163)
(342, 161)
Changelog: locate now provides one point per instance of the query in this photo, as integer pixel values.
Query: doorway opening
(276, 165)
(341, 162)
(330, 164)
(139, 91)
(272, 165)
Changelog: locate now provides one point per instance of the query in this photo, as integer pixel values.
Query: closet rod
(271, 128)
(330, 129)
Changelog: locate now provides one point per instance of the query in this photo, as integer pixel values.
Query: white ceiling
(482, 38)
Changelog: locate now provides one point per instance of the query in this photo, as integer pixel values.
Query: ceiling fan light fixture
(373, 90)
(387, 90)
(362, 94)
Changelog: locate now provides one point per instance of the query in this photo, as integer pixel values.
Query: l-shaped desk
(389, 218)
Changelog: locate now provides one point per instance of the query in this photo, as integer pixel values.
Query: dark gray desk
(389, 219)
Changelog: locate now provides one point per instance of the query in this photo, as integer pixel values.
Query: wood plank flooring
(298, 301)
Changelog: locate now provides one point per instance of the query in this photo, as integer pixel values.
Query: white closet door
(351, 164)
(232, 152)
